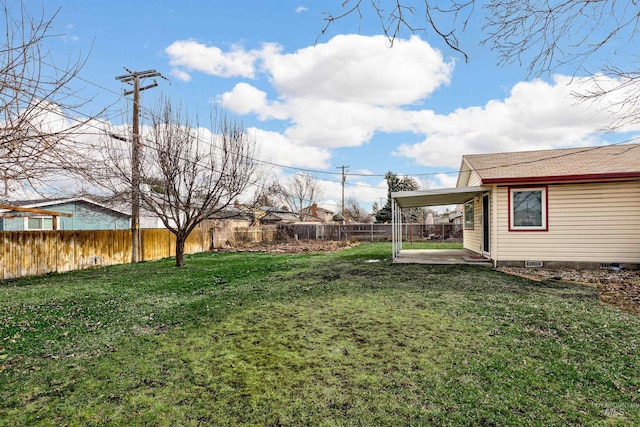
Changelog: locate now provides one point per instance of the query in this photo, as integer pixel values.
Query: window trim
(469, 224)
(42, 219)
(544, 208)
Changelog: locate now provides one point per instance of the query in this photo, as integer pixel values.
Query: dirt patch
(293, 247)
(618, 288)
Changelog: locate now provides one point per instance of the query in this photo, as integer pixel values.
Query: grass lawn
(340, 338)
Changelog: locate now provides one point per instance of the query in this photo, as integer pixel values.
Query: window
(528, 209)
(468, 215)
(36, 223)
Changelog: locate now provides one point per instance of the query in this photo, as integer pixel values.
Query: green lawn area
(342, 338)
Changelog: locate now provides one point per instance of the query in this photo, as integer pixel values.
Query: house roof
(612, 162)
(280, 216)
(318, 209)
(51, 203)
(570, 164)
(230, 213)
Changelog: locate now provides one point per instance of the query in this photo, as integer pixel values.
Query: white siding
(472, 239)
(597, 222)
(474, 180)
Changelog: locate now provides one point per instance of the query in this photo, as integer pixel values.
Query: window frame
(42, 223)
(544, 208)
(469, 224)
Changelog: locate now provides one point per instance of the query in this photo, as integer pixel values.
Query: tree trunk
(180, 241)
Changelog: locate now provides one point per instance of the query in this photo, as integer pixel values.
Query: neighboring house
(456, 216)
(314, 213)
(232, 213)
(147, 219)
(276, 216)
(546, 207)
(265, 215)
(85, 215)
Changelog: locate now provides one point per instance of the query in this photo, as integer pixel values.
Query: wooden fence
(264, 233)
(29, 253)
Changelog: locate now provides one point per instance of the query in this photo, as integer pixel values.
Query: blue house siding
(13, 224)
(86, 216)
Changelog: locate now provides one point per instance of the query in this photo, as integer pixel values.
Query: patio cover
(414, 199)
(439, 197)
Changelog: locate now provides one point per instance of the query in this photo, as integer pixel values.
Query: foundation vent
(533, 264)
(615, 266)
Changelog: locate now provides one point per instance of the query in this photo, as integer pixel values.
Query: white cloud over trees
(344, 92)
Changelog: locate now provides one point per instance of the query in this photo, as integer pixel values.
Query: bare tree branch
(399, 15)
(35, 97)
(588, 37)
(354, 212)
(195, 176)
(298, 193)
(188, 172)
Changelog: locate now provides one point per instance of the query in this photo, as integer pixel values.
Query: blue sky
(316, 101)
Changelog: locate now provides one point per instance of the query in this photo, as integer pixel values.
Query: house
(265, 215)
(544, 208)
(314, 213)
(455, 216)
(80, 214)
(278, 216)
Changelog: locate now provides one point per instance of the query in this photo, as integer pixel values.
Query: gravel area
(620, 288)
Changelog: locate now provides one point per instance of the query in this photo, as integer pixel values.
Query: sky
(318, 101)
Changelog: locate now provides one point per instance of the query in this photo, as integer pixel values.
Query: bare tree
(353, 211)
(265, 195)
(35, 98)
(596, 38)
(188, 173)
(299, 192)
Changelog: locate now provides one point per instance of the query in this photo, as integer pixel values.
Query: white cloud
(366, 193)
(180, 75)
(192, 55)
(340, 93)
(354, 68)
(301, 9)
(277, 148)
(443, 180)
(247, 99)
(344, 92)
(536, 115)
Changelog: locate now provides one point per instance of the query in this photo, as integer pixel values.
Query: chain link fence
(372, 232)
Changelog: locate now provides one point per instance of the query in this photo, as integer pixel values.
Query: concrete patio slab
(441, 257)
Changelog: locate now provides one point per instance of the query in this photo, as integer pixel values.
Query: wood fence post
(57, 250)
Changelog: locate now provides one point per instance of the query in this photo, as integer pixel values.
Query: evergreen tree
(394, 183)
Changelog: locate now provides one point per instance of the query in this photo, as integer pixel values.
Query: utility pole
(134, 78)
(344, 178)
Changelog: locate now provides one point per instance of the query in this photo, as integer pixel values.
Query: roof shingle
(563, 164)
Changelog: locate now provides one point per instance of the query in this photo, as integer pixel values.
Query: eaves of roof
(562, 178)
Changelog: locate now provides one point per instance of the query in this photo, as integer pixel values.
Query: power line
(324, 172)
(315, 171)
